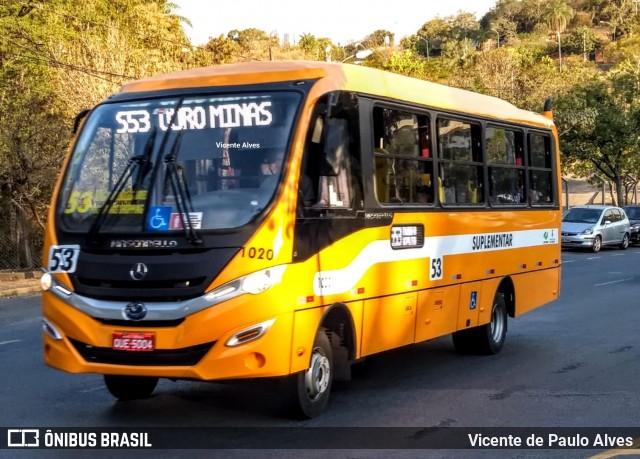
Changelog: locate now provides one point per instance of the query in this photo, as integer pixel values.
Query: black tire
(597, 244)
(486, 339)
(625, 242)
(130, 387)
(307, 393)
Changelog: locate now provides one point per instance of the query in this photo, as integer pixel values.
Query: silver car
(594, 227)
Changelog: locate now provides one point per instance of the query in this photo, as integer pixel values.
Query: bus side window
(461, 162)
(402, 157)
(541, 190)
(506, 169)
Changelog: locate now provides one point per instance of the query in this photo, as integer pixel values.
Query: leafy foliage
(598, 126)
(61, 56)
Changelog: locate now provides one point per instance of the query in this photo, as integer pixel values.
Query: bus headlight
(253, 283)
(258, 282)
(49, 283)
(46, 281)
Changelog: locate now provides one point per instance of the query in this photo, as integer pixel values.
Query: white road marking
(9, 342)
(614, 282)
(92, 389)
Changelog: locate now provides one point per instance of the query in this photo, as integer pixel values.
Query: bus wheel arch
(489, 338)
(339, 327)
(508, 290)
(307, 392)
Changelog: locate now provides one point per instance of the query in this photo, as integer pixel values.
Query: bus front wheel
(130, 387)
(486, 339)
(307, 392)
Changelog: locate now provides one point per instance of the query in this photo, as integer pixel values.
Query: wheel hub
(318, 375)
(497, 324)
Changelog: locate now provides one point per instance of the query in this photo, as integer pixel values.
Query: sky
(343, 21)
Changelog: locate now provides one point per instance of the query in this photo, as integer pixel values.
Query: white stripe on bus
(342, 280)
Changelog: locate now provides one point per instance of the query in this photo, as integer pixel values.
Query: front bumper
(577, 241)
(194, 348)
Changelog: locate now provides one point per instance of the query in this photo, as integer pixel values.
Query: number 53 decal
(63, 258)
(436, 269)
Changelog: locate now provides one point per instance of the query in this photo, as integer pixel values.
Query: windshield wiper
(181, 193)
(143, 164)
(144, 161)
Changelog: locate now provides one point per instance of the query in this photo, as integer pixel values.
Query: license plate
(134, 342)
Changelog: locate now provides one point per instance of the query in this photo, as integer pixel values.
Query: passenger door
(330, 204)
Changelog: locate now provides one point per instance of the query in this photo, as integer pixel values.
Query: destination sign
(198, 117)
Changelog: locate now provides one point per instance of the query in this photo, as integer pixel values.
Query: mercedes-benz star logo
(138, 271)
(135, 311)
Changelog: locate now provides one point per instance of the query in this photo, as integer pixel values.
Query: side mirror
(606, 222)
(79, 117)
(335, 141)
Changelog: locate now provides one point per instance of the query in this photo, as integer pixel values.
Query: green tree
(616, 14)
(434, 32)
(583, 41)
(594, 8)
(379, 39)
(598, 133)
(497, 73)
(307, 42)
(501, 30)
(405, 63)
(56, 58)
(529, 15)
(461, 36)
(558, 13)
(222, 50)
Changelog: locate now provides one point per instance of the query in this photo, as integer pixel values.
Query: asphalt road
(573, 363)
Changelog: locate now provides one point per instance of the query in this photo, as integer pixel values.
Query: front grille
(187, 356)
(142, 323)
(152, 284)
(118, 290)
(168, 277)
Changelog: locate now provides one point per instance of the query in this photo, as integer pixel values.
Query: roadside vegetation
(57, 58)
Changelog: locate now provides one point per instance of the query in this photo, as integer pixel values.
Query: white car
(594, 227)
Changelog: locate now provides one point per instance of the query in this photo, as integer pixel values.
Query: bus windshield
(147, 165)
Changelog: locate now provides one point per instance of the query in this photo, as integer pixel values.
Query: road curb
(19, 291)
(8, 275)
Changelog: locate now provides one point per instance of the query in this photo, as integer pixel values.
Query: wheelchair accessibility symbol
(158, 219)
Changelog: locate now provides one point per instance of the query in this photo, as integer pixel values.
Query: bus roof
(364, 80)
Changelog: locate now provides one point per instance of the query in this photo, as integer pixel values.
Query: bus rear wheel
(130, 387)
(486, 339)
(307, 392)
